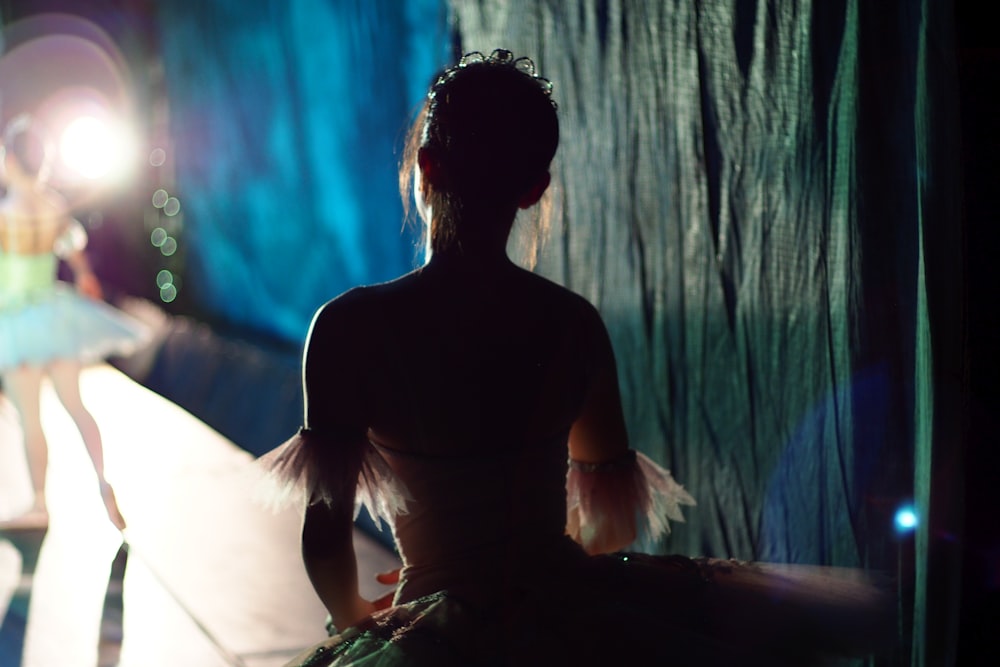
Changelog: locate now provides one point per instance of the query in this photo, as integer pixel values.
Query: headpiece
(499, 58)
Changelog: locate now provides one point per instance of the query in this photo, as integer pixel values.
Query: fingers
(89, 286)
(388, 578)
(383, 602)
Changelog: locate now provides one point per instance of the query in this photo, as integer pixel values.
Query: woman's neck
(471, 256)
(478, 238)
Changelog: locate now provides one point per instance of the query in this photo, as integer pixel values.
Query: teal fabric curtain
(760, 197)
(286, 119)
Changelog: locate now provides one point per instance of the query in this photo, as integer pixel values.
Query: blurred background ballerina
(47, 329)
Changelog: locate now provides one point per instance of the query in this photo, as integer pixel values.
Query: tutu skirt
(558, 606)
(62, 324)
(633, 609)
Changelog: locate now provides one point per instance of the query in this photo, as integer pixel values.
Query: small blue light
(906, 519)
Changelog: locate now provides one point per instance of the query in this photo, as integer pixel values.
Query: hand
(387, 578)
(384, 601)
(88, 285)
(357, 611)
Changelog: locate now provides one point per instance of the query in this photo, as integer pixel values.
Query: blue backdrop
(287, 119)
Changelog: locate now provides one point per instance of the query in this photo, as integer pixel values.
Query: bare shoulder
(353, 315)
(45, 207)
(554, 295)
(54, 203)
(342, 317)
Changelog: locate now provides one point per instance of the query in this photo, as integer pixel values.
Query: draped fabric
(286, 120)
(760, 196)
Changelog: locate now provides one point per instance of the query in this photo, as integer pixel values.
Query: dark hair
(491, 126)
(25, 141)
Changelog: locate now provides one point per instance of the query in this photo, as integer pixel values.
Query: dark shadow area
(979, 79)
(109, 645)
(16, 617)
(15, 621)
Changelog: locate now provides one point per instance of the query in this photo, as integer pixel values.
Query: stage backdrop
(759, 196)
(286, 119)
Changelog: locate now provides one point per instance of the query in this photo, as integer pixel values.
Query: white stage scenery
(205, 578)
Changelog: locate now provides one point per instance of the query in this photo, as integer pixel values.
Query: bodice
(473, 521)
(24, 276)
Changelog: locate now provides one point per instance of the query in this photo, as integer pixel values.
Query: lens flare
(91, 148)
(906, 519)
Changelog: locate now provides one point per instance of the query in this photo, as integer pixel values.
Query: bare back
(30, 225)
(448, 359)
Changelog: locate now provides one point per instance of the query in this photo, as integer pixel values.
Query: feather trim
(310, 467)
(605, 500)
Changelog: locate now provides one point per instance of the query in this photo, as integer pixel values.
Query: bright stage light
(906, 519)
(94, 149)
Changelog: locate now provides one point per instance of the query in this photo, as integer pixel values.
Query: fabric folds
(633, 609)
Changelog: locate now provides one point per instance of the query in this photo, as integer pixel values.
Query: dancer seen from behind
(474, 406)
(47, 329)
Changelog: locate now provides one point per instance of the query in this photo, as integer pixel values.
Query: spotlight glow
(92, 148)
(906, 519)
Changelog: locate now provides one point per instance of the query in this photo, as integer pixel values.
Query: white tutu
(62, 324)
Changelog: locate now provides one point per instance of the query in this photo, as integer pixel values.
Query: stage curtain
(760, 197)
(285, 120)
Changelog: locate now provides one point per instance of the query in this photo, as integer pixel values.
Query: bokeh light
(169, 246)
(164, 278)
(158, 236)
(166, 281)
(906, 519)
(172, 206)
(168, 293)
(157, 157)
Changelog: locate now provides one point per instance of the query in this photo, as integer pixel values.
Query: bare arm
(599, 435)
(333, 407)
(84, 277)
(328, 555)
(70, 245)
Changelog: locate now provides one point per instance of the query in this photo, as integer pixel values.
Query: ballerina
(474, 406)
(47, 329)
